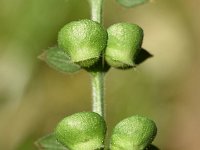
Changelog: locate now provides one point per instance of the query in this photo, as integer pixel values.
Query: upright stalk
(97, 77)
(98, 93)
(96, 7)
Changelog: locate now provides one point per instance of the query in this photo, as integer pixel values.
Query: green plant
(85, 44)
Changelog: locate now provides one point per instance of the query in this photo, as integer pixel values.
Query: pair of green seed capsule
(87, 131)
(85, 41)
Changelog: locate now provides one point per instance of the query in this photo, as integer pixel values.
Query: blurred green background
(166, 88)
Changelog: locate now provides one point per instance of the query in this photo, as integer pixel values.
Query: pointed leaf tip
(152, 147)
(59, 60)
(142, 56)
(49, 142)
(42, 56)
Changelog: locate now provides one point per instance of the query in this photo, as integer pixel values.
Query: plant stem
(96, 10)
(98, 93)
(97, 77)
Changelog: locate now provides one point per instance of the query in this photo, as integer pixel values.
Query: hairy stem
(97, 77)
(96, 10)
(98, 92)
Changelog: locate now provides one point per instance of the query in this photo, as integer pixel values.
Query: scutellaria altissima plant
(86, 44)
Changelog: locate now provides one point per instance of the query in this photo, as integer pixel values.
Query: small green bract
(82, 131)
(84, 41)
(124, 43)
(133, 133)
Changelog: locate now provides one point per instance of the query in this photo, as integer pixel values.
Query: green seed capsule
(133, 133)
(84, 41)
(124, 43)
(82, 131)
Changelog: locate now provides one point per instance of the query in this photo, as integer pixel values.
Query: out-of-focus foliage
(33, 97)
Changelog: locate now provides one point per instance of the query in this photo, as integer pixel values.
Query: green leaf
(59, 60)
(142, 56)
(49, 142)
(131, 3)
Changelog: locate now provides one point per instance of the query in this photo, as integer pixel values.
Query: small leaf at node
(142, 56)
(131, 3)
(49, 142)
(124, 43)
(59, 60)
